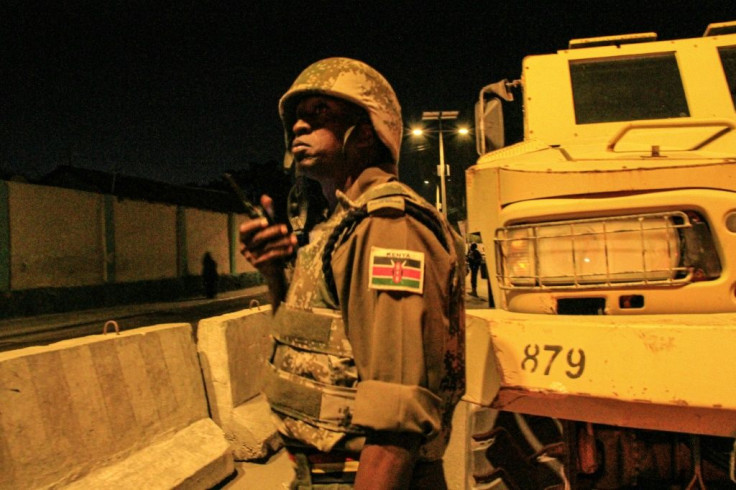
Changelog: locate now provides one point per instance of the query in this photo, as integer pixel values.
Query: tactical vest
(311, 376)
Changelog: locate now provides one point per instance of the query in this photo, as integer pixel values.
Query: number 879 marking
(533, 358)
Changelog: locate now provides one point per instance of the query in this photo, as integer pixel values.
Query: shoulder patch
(396, 270)
(386, 203)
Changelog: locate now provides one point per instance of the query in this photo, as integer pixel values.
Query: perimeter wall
(63, 249)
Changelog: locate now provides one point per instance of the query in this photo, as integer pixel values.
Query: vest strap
(323, 405)
(319, 330)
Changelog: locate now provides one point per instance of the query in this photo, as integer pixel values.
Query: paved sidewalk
(24, 325)
(480, 301)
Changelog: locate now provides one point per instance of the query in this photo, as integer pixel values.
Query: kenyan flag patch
(396, 270)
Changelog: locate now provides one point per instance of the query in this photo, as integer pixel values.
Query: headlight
(638, 249)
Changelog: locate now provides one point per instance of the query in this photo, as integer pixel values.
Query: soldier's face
(321, 123)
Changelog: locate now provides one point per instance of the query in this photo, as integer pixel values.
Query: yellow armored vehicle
(610, 233)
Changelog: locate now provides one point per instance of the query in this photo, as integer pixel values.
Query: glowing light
(519, 245)
(463, 130)
(590, 252)
(417, 131)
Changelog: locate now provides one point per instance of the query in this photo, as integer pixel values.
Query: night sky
(182, 91)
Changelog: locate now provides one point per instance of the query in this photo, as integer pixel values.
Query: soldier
(368, 359)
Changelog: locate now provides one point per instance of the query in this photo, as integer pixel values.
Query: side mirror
(489, 134)
(489, 121)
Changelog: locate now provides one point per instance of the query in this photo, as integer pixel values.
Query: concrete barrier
(232, 350)
(109, 411)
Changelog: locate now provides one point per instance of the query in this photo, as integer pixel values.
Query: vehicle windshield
(728, 60)
(628, 89)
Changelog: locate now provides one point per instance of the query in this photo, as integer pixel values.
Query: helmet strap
(348, 134)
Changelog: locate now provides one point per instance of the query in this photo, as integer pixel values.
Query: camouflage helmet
(356, 82)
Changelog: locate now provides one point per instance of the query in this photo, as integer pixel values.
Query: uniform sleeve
(397, 337)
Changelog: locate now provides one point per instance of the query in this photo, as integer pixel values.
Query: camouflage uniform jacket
(383, 348)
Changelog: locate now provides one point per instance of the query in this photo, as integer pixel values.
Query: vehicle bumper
(661, 372)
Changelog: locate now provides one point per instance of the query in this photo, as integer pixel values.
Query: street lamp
(440, 116)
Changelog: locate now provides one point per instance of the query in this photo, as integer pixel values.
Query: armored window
(627, 89)
(728, 60)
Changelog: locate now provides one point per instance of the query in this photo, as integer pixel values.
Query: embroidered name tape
(391, 202)
(396, 270)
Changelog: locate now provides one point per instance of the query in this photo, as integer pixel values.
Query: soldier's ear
(365, 136)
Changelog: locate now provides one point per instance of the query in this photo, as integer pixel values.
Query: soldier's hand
(266, 247)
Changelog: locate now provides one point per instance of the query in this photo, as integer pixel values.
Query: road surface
(17, 333)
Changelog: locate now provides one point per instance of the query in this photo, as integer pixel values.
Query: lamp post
(440, 116)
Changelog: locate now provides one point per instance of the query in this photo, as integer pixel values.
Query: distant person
(210, 277)
(368, 359)
(474, 260)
